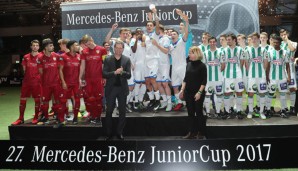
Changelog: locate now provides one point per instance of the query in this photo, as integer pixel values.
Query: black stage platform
(161, 125)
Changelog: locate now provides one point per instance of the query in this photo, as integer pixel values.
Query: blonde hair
(86, 38)
(197, 52)
(63, 41)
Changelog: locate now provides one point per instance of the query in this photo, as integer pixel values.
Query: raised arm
(110, 33)
(186, 25)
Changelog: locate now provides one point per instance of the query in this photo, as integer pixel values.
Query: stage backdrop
(215, 16)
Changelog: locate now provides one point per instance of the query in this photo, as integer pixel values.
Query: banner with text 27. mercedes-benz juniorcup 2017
(214, 16)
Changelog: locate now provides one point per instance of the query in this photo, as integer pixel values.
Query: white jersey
(151, 50)
(140, 54)
(291, 56)
(164, 59)
(204, 47)
(278, 60)
(177, 51)
(232, 58)
(213, 60)
(255, 57)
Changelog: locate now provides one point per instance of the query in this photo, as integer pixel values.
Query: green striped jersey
(243, 69)
(255, 57)
(277, 60)
(232, 58)
(291, 54)
(204, 48)
(213, 61)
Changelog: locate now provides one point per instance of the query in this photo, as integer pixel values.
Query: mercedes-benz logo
(232, 17)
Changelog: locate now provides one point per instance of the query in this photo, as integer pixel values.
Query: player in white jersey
(234, 58)
(215, 65)
(223, 41)
(152, 59)
(137, 44)
(291, 48)
(163, 74)
(276, 73)
(123, 36)
(177, 51)
(256, 61)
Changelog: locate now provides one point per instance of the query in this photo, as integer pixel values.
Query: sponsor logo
(283, 86)
(257, 59)
(263, 86)
(278, 61)
(219, 88)
(233, 60)
(97, 51)
(232, 86)
(241, 85)
(273, 87)
(210, 90)
(215, 62)
(254, 87)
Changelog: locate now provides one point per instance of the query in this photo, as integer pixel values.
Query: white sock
(293, 98)
(142, 92)
(164, 97)
(207, 104)
(169, 99)
(262, 104)
(283, 102)
(136, 92)
(151, 95)
(239, 103)
(268, 101)
(157, 95)
(128, 97)
(132, 95)
(218, 103)
(250, 103)
(227, 103)
(177, 97)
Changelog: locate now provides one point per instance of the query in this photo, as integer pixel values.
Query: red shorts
(28, 90)
(48, 92)
(72, 91)
(94, 88)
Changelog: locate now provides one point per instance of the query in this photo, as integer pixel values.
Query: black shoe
(109, 138)
(291, 111)
(75, 121)
(247, 110)
(268, 113)
(96, 121)
(43, 121)
(239, 115)
(283, 114)
(151, 104)
(156, 105)
(257, 109)
(141, 107)
(211, 115)
(231, 114)
(128, 110)
(120, 137)
(224, 115)
(135, 106)
(59, 125)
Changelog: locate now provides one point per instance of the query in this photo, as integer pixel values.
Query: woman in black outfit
(193, 91)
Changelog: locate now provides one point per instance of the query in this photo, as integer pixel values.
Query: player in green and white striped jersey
(276, 73)
(256, 59)
(290, 47)
(233, 56)
(205, 45)
(215, 65)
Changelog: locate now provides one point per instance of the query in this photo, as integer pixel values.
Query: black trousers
(116, 93)
(196, 119)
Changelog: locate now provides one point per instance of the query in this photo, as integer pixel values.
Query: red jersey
(71, 68)
(49, 65)
(31, 76)
(93, 58)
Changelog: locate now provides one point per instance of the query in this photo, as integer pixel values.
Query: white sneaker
(169, 107)
(163, 105)
(249, 115)
(262, 116)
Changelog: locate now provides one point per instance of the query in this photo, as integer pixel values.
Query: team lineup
(158, 63)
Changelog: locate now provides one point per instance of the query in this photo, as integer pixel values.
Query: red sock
(98, 108)
(61, 110)
(37, 107)
(45, 110)
(76, 107)
(22, 109)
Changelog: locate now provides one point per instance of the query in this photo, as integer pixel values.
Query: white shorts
(178, 76)
(151, 68)
(131, 81)
(257, 85)
(245, 82)
(233, 85)
(293, 83)
(163, 74)
(139, 73)
(214, 87)
(281, 85)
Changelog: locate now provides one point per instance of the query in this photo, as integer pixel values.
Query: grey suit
(112, 92)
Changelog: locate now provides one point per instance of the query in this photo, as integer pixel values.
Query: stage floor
(160, 125)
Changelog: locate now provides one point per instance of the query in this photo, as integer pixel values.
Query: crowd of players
(159, 58)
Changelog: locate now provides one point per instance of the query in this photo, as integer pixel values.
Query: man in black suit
(116, 70)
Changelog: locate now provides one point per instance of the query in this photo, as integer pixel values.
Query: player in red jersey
(48, 68)
(69, 69)
(91, 65)
(31, 83)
